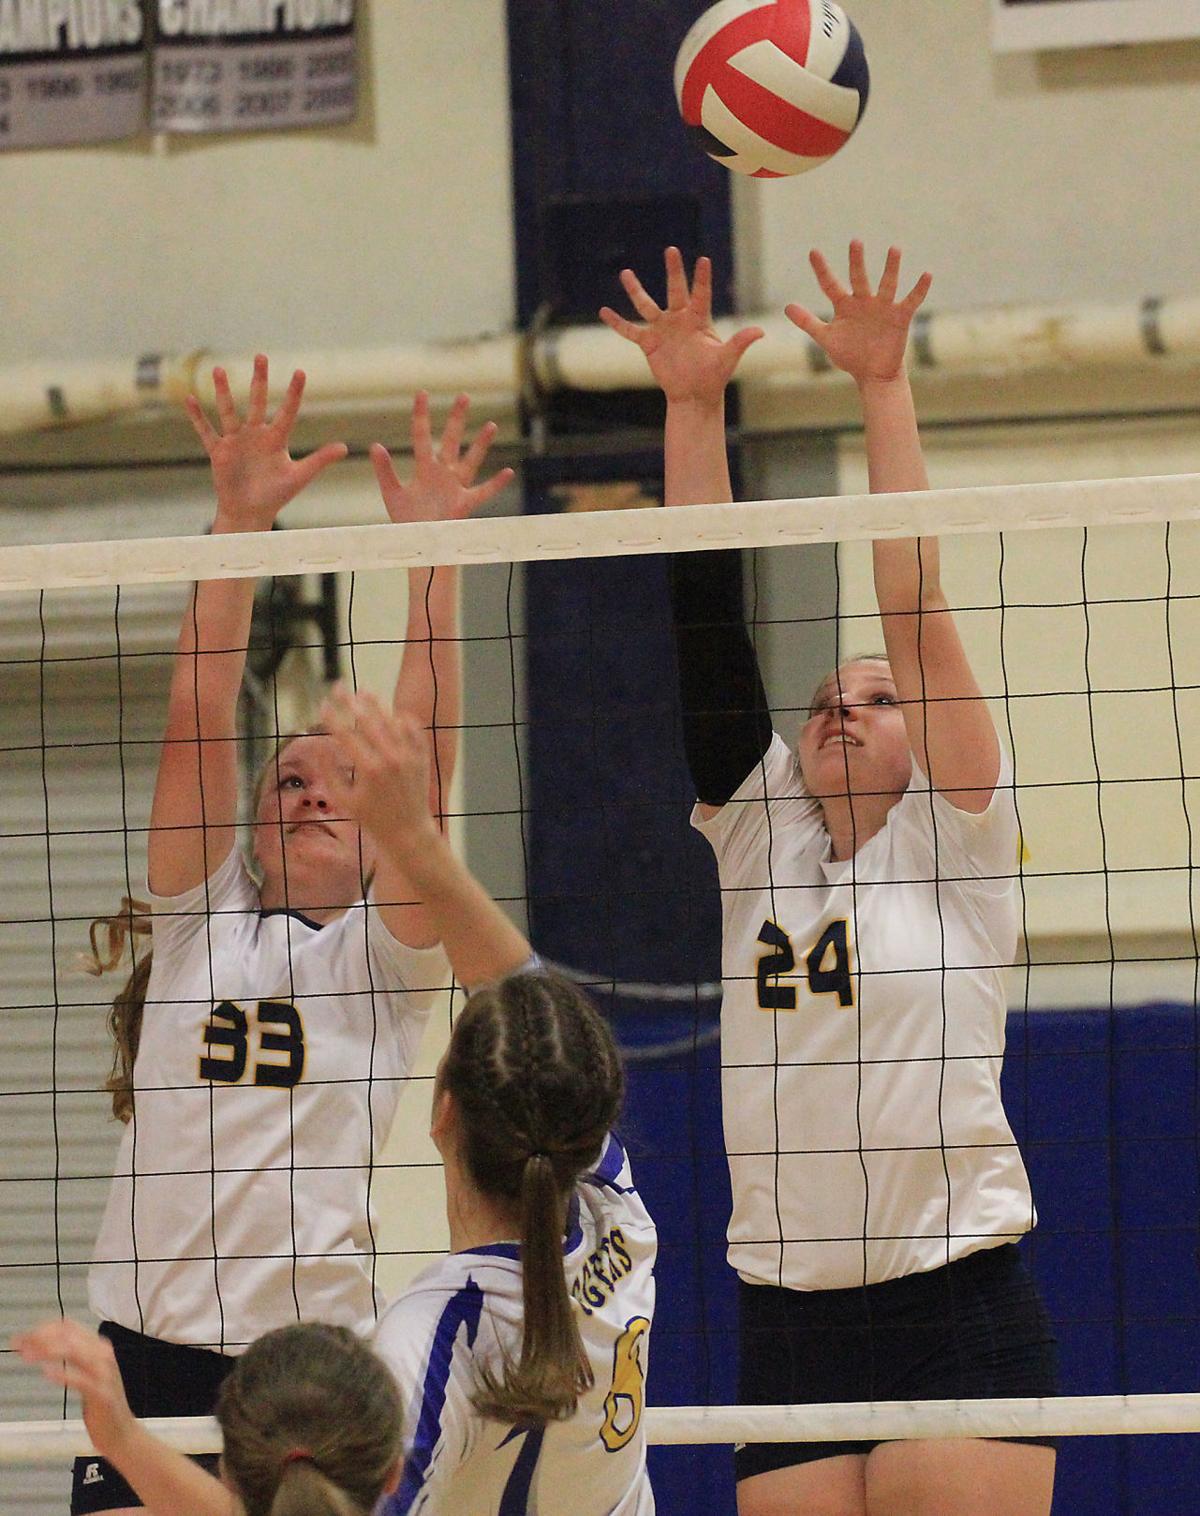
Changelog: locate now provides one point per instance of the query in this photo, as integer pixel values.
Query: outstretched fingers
(256, 410)
(289, 408)
(473, 459)
(385, 470)
(370, 737)
(702, 288)
(66, 1351)
(860, 283)
(740, 341)
(307, 469)
(889, 280)
(223, 395)
(201, 425)
(421, 429)
(915, 298)
(621, 324)
(677, 284)
(454, 430)
(812, 326)
(831, 286)
(647, 309)
(490, 488)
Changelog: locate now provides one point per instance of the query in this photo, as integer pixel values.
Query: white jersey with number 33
(467, 1309)
(272, 1057)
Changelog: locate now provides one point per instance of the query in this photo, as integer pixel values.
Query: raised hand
(868, 333)
(443, 486)
(71, 1355)
(388, 756)
(686, 355)
(254, 474)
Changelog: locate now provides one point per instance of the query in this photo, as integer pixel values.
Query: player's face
(309, 853)
(854, 741)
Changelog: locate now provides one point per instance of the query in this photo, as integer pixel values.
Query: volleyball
(772, 88)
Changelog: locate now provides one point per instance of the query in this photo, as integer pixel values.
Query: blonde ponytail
(121, 931)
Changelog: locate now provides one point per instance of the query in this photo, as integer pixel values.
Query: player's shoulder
(607, 1196)
(771, 795)
(451, 1289)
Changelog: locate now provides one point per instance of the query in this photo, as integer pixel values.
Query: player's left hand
(868, 333)
(443, 486)
(386, 755)
(70, 1354)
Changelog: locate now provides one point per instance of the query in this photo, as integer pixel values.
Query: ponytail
(553, 1370)
(537, 1084)
(311, 1424)
(122, 930)
(304, 1491)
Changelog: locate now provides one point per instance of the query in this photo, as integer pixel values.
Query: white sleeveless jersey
(862, 1033)
(466, 1310)
(271, 1060)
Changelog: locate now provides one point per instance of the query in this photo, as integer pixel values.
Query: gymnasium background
(1064, 179)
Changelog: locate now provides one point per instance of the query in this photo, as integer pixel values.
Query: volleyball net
(1080, 608)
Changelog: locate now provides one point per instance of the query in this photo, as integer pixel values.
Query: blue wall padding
(620, 885)
(1105, 1108)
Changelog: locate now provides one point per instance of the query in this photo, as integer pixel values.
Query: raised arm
(388, 756)
(194, 813)
(169, 1483)
(726, 723)
(950, 728)
(429, 684)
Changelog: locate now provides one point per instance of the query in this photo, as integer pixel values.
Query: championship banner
(71, 71)
(250, 65)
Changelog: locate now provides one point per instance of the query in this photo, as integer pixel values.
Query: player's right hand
(387, 754)
(685, 353)
(70, 1354)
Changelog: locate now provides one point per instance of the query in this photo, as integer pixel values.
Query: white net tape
(890, 1421)
(752, 523)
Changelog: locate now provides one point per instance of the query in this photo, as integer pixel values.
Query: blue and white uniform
(466, 1310)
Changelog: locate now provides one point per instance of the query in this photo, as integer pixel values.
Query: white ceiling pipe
(1006, 339)
(34, 397)
(1010, 339)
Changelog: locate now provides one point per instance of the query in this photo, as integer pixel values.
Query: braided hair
(537, 1082)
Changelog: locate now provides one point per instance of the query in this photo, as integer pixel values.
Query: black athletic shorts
(161, 1379)
(973, 1330)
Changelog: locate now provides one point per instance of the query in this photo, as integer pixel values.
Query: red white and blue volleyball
(772, 87)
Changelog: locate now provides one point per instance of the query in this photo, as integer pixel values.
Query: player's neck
(273, 897)
(852, 821)
(475, 1219)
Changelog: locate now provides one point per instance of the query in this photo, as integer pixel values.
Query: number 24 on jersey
(826, 967)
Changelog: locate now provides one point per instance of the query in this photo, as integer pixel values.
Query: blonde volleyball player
(869, 911)
(283, 1009)
(521, 1357)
